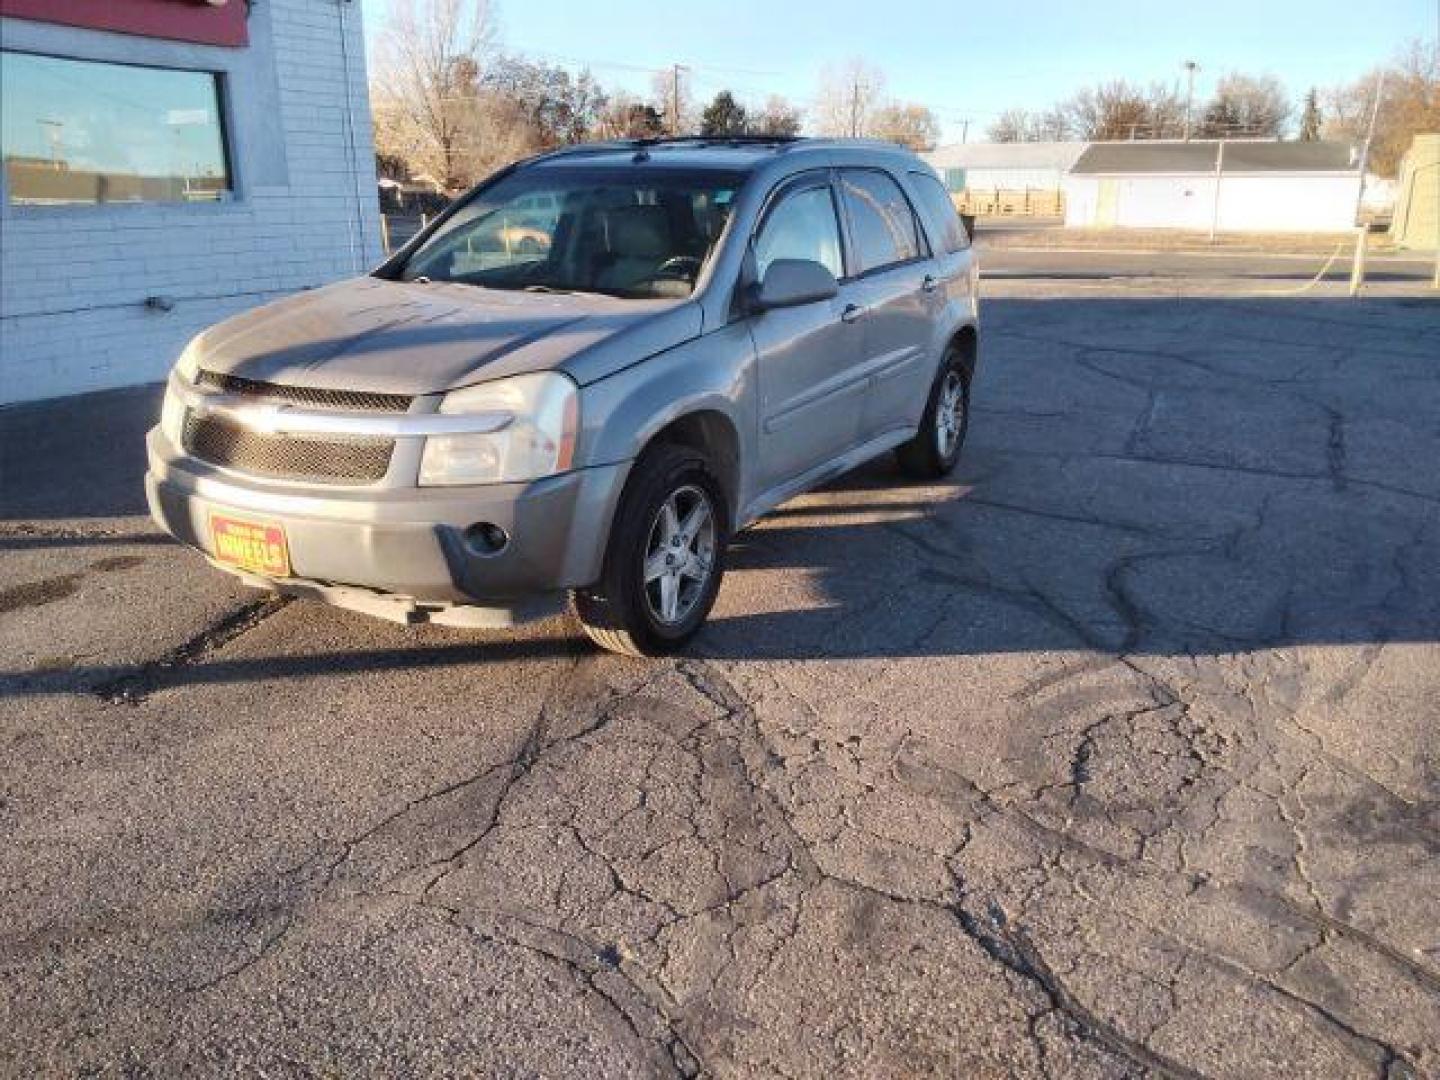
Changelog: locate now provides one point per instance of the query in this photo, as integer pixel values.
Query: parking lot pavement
(1117, 754)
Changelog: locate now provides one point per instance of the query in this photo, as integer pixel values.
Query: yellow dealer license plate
(250, 545)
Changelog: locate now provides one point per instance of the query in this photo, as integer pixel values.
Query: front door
(1107, 206)
(811, 357)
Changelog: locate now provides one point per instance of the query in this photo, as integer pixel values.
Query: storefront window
(78, 132)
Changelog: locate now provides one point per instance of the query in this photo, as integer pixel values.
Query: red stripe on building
(205, 22)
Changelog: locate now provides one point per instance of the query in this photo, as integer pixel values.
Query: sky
(965, 61)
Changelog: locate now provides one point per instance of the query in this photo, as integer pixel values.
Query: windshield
(629, 232)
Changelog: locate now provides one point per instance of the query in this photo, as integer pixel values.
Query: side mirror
(791, 282)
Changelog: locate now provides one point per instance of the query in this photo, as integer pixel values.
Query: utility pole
(53, 133)
(965, 131)
(1369, 139)
(675, 70)
(1362, 231)
(855, 107)
(1190, 67)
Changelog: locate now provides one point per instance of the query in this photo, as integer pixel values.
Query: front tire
(935, 449)
(665, 557)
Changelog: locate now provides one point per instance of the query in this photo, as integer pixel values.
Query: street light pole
(1191, 67)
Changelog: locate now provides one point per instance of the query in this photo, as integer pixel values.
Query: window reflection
(78, 131)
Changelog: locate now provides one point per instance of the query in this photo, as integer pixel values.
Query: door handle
(851, 313)
(930, 283)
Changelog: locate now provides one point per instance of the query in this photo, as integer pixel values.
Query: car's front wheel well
(967, 342)
(713, 435)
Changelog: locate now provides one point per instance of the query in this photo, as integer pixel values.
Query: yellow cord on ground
(1313, 281)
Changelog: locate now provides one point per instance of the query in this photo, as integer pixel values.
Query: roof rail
(639, 145)
(610, 146)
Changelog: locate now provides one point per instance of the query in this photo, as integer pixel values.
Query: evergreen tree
(724, 117)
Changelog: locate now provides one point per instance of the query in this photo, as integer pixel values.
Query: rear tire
(665, 557)
(935, 449)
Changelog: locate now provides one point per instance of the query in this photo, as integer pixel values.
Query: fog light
(486, 538)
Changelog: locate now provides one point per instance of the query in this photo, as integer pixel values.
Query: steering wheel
(680, 266)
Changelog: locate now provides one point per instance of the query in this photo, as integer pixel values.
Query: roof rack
(610, 146)
(641, 146)
(721, 140)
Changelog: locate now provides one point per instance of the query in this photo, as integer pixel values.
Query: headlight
(187, 368)
(539, 439)
(172, 412)
(172, 417)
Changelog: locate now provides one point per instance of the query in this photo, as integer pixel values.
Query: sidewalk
(1052, 237)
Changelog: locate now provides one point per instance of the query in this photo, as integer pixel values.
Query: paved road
(1118, 754)
(1231, 266)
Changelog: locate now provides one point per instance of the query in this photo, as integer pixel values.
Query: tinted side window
(881, 221)
(935, 201)
(802, 226)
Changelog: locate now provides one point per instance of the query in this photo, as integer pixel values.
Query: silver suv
(583, 378)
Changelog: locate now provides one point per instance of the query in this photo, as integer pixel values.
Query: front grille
(353, 400)
(346, 461)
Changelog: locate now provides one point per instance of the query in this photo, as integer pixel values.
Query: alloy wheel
(679, 554)
(950, 415)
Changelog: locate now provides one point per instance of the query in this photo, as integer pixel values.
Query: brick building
(168, 163)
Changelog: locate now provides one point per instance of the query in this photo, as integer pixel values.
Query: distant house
(1005, 166)
(1262, 186)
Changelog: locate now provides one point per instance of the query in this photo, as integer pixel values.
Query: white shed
(1004, 166)
(1228, 186)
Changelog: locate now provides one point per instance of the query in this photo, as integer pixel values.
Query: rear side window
(881, 221)
(935, 201)
(802, 226)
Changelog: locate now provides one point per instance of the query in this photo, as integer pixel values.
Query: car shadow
(1164, 476)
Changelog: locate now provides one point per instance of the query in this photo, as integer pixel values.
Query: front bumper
(403, 548)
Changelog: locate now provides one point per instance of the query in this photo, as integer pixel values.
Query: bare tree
(849, 96)
(1052, 125)
(429, 61)
(625, 117)
(908, 124)
(1410, 105)
(1167, 111)
(778, 117)
(1110, 111)
(1247, 106)
(670, 89)
(560, 107)
(1121, 110)
(1013, 126)
(498, 128)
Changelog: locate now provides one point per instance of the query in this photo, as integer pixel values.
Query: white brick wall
(73, 280)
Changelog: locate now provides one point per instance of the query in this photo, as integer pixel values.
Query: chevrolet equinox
(581, 379)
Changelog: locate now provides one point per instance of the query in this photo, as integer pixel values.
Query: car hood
(392, 337)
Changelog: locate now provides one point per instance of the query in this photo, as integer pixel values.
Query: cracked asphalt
(1116, 755)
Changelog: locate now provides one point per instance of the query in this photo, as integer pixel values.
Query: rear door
(895, 286)
(811, 357)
